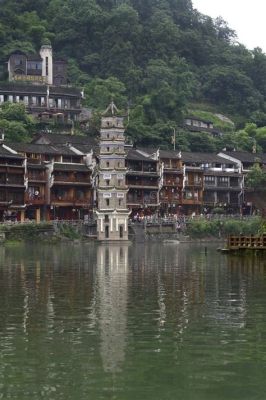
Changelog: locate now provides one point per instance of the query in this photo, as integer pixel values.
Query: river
(159, 321)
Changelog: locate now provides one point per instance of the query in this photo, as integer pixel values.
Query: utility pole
(174, 137)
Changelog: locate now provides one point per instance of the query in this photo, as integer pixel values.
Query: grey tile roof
(25, 88)
(6, 153)
(41, 148)
(65, 138)
(203, 158)
(136, 155)
(70, 167)
(170, 154)
(246, 157)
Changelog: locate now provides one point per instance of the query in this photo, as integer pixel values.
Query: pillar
(38, 215)
(22, 216)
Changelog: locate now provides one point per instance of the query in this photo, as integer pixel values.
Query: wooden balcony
(71, 201)
(35, 200)
(192, 201)
(72, 180)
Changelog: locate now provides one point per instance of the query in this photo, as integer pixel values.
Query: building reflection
(112, 301)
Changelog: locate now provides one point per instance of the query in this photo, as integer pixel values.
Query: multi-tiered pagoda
(112, 212)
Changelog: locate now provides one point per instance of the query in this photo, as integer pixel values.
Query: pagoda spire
(111, 109)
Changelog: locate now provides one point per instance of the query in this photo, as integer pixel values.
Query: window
(107, 202)
(108, 149)
(119, 202)
(209, 180)
(18, 61)
(106, 218)
(46, 66)
(107, 164)
(107, 182)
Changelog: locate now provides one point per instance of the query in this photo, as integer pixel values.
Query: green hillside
(154, 57)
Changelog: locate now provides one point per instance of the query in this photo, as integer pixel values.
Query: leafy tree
(15, 123)
(99, 93)
(256, 177)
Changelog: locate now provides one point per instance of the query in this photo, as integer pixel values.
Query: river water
(131, 322)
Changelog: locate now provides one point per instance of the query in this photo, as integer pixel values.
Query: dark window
(46, 66)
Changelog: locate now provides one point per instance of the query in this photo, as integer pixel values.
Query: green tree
(256, 177)
(99, 93)
(15, 123)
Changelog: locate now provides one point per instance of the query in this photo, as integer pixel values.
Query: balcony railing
(70, 199)
(34, 199)
(142, 183)
(72, 179)
(12, 182)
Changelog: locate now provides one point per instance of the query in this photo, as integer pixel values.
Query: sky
(245, 17)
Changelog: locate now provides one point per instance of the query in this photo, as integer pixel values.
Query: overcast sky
(246, 17)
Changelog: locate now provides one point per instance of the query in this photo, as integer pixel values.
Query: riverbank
(200, 230)
(42, 232)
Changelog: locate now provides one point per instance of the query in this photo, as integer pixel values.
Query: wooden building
(172, 183)
(71, 194)
(48, 104)
(59, 182)
(211, 181)
(143, 177)
(194, 124)
(12, 184)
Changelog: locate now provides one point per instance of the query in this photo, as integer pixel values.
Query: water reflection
(117, 321)
(112, 299)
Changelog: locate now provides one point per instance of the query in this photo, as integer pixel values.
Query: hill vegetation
(154, 57)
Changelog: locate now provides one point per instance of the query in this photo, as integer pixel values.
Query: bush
(217, 228)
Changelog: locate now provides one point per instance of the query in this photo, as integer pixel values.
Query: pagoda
(112, 212)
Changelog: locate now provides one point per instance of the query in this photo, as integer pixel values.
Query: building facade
(40, 82)
(39, 68)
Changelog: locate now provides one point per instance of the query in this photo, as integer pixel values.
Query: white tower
(46, 54)
(112, 212)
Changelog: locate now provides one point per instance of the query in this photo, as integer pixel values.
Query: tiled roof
(136, 155)
(245, 157)
(162, 153)
(70, 167)
(41, 148)
(6, 153)
(64, 138)
(25, 88)
(170, 154)
(85, 148)
(203, 158)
